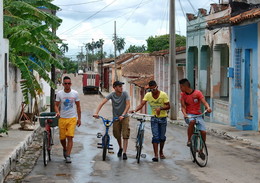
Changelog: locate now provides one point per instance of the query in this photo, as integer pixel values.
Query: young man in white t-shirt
(67, 100)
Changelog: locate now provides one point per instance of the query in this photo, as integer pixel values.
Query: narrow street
(229, 161)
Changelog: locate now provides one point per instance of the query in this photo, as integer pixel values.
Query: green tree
(70, 66)
(120, 43)
(64, 48)
(136, 49)
(162, 42)
(31, 41)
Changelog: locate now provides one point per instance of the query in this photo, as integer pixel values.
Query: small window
(238, 62)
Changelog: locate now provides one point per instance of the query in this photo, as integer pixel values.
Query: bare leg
(63, 143)
(203, 134)
(69, 145)
(119, 141)
(155, 149)
(161, 148)
(125, 144)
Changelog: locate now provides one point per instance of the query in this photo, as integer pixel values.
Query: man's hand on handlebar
(209, 110)
(132, 111)
(96, 116)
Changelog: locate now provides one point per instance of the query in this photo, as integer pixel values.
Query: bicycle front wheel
(140, 140)
(45, 148)
(105, 146)
(200, 151)
(49, 145)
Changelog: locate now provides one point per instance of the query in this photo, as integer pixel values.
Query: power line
(80, 3)
(73, 27)
(195, 11)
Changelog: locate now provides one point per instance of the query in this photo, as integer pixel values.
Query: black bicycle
(198, 148)
(47, 120)
(105, 145)
(142, 118)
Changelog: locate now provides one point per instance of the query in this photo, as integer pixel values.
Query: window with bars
(238, 63)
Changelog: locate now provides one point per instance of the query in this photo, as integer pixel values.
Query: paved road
(229, 161)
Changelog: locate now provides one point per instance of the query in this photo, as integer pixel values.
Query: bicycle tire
(49, 145)
(44, 148)
(198, 146)
(192, 148)
(140, 145)
(105, 146)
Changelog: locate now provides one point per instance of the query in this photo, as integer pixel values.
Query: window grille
(238, 62)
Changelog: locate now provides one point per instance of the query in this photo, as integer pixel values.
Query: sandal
(162, 156)
(155, 159)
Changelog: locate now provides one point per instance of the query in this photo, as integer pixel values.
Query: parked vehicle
(91, 83)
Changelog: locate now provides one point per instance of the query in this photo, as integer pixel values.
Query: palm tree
(31, 41)
(120, 43)
(64, 48)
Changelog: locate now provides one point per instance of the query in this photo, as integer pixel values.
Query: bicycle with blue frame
(105, 144)
(142, 118)
(198, 148)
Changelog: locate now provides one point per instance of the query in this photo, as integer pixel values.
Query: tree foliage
(136, 49)
(162, 42)
(70, 66)
(120, 43)
(31, 41)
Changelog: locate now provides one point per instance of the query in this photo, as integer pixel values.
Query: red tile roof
(142, 81)
(166, 52)
(251, 14)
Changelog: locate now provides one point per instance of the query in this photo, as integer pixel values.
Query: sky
(136, 21)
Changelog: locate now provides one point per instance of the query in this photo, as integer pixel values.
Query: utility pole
(173, 69)
(53, 73)
(115, 41)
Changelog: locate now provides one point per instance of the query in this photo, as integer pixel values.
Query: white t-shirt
(68, 106)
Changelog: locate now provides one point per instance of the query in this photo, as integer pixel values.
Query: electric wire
(75, 26)
(80, 3)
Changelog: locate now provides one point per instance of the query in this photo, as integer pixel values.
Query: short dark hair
(66, 77)
(152, 83)
(184, 82)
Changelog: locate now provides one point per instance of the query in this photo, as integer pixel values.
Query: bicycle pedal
(100, 147)
(110, 144)
(100, 144)
(111, 152)
(110, 148)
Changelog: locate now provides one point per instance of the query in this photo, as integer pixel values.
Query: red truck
(91, 83)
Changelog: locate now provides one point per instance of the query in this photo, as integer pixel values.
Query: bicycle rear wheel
(200, 151)
(105, 147)
(45, 148)
(139, 146)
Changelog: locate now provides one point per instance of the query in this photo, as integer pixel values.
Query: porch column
(215, 75)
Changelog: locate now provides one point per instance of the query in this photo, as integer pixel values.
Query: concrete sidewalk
(13, 145)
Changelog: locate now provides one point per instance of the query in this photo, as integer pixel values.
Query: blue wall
(245, 37)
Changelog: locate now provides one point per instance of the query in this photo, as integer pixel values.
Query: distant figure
(67, 106)
(159, 103)
(121, 104)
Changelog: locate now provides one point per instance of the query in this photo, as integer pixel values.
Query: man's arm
(205, 103)
(183, 109)
(79, 112)
(56, 108)
(99, 107)
(139, 107)
(126, 110)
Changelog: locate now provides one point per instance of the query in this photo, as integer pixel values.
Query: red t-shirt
(192, 101)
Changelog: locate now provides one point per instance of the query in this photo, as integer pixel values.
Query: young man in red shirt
(190, 105)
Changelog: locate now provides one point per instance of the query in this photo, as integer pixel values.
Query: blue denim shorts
(158, 127)
(200, 122)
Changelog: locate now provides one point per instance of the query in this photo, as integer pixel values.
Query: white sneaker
(68, 160)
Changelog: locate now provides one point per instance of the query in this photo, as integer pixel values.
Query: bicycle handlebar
(141, 116)
(46, 117)
(107, 120)
(199, 115)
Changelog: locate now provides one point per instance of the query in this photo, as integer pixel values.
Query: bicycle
(140, 135)
(47, 120)
(105, 145)
(198, 147)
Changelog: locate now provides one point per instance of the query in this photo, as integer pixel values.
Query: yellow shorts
(67, 127)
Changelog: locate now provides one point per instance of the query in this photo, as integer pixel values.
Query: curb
(10, 163)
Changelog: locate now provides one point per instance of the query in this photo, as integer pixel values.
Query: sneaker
(119, 154)
(189, 143)
(68, 160)
(64, 153)
(124, 156)
(202, 155)
(155, 159)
